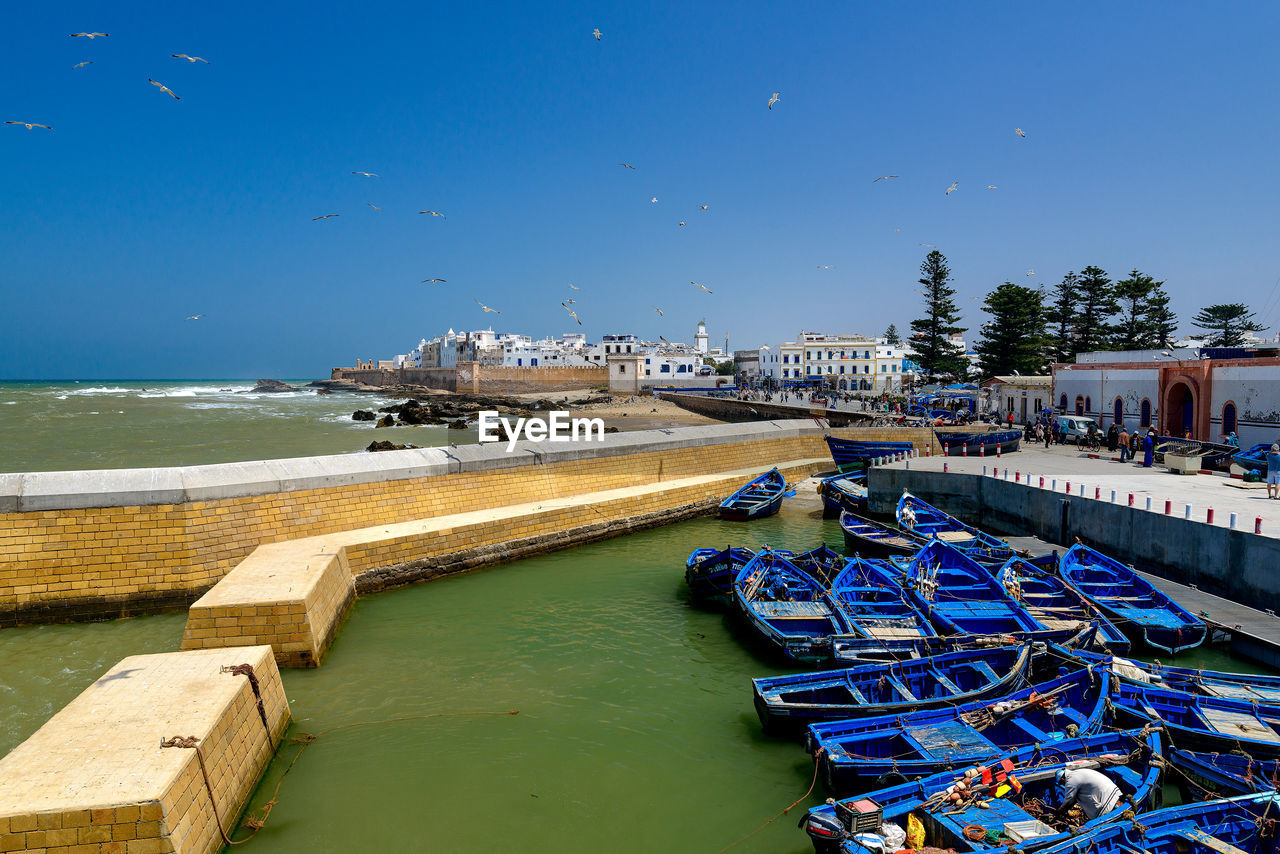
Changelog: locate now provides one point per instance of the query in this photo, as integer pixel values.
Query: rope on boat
(817, 756)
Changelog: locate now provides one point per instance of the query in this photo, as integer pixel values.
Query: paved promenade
(1068, 465)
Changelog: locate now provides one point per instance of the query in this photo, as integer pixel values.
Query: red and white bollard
(997, 450)
(1097, 493)
(944, 467)
(1208, 516)
(1130, 499)
(1017, 477)
(1168, 507)
(1068, 487)
(1042, 481)
(1257, 525)
(964, 449)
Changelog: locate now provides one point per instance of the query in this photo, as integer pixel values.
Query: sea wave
(194, 391)
(98, 389)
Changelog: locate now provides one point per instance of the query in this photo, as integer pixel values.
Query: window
(519, 363)
(1228, 418)
(1079, 404)
(828, 369)
(842, 369)
(884, 369)
(622, 369)
(647, 372)
(1144, 414)
(533, 362)
(1062, 403)
(866, 369)
(666, 369)
(646, 361)
(895, 369)
(866, 354)
(1118, 413)
(1088, 404)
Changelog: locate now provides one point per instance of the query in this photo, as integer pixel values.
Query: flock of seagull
(774, 98)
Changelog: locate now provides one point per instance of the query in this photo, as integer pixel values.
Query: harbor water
(635, 732)
(99, 424)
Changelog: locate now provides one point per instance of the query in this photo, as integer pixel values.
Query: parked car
(1075, 428)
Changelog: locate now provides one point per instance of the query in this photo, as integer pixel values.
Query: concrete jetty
(95, 778)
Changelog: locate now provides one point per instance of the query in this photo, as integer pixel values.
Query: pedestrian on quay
(1149, 448)
(1113, 437)
(1273, 472)
(1122, 442)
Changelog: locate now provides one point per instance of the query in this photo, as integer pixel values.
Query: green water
(636, 730)
(113, 424)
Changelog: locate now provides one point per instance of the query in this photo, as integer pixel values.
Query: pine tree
(1060, 317)
(1228, 322)
(936, 355)
(1146, 322)
(1096, 303)
(891, 335)
(1013, 341)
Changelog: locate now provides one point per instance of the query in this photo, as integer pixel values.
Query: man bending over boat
(1091, 790)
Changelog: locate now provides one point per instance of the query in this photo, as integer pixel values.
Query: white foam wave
(194, 391)
(98, 389)
(8, 403)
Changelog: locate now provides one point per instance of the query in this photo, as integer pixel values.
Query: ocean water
(98, 424)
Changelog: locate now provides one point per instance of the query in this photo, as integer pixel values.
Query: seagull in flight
(326, 216)
(682, 222)
(570, 301)
(195, 317)
(702, 287)
(433, 281)
(928, 245)
(486, 308)
(575, 287)
(189, 58)
(30, 125)
(704, 207)
(1031, 272)
(825, 266)
(1020, 132)
(951, 189)
(372, 205)
(626, 166)
(659, 311)
(434, 213)
(884, 178)
(663, 340)
(572, 313)
(991, 186)
(82, 64)
(654, 200)
(366, 174)
(89, 35)
(163, 88)
(773, 99)
(596, 33)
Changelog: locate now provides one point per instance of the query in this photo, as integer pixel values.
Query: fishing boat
(1254, 458)
(1137, 608)
(787, 607)
(928, 521)
(1213, 455)
(974, 809)
(871, 539)
(759, 498)
(1222, 774)
(1239, 825)
(851, 651)
(1252, 687)
(875, 605)
(960, 597)
(851, 453)
(709, 572)
(1057, 605)
(822, 563)
(843, 492)
(1200, 722)
(786, 703)
(979, 444)
(871, 752)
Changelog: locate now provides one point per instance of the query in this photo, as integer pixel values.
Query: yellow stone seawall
(95, 777)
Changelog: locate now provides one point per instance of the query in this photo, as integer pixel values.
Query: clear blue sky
(1151, 143)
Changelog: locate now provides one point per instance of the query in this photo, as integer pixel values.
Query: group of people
(1051, 432)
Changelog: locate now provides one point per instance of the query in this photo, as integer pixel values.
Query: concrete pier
(95, 777)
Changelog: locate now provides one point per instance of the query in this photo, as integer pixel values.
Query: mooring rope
(817, 756)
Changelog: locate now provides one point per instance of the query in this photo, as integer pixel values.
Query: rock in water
(271, 387)
(389, 446)
(386, 421)
(363, 415)
(460, 424)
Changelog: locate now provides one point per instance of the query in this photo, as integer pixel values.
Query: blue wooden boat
(871, 539)
(791, 702)
(843, 492)
(979, 444)
(822, 564)
(1055, 604)
(1254, 458)
(759, 498)
(875, 605)
(852, 453)
(1222, 774)
(1251, 687)
(928, 521)
(788, 608)
(709, 572)
(1137, 608)
(851, 651)
(1239, 825)
(961, 597)
(869, 752)
(1198, 721)
(988, 799)
(1213, 455)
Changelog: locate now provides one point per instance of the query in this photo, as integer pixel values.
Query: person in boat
(1091, 790)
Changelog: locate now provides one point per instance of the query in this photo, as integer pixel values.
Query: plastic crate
(861, 815)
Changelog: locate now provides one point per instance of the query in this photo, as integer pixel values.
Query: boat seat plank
(901, 688)
(1213, 842)
(985, 671)
(1239, 724)
(954, 536)
(791, 609)
(944, 740)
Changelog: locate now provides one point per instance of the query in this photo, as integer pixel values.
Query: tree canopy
(1060, 317)
(1146, 321)
(1013, 340)
(1227, 323)
(1095, 301)
(891, 335)
(935, 354)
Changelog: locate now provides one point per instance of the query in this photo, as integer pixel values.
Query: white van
(1075, 427)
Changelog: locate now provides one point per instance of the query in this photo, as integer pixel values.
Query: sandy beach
(628, 412)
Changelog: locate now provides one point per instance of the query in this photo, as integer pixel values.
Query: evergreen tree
(1013, 341)
(1146, 322)
(935, 355)
(1096, 303)
(1060, 317)
(891, 335)
(1228, 322)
